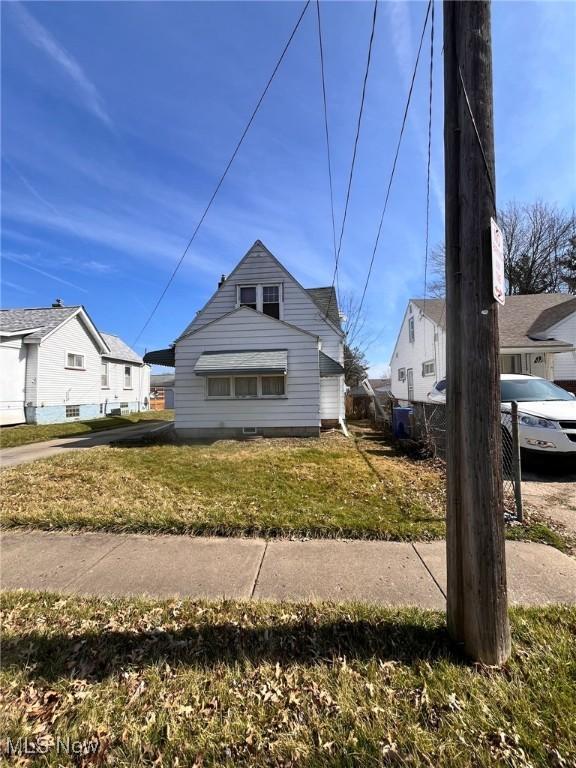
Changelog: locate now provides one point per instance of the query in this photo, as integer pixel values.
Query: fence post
(516, 464)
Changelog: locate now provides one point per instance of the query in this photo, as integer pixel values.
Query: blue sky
(118, 119)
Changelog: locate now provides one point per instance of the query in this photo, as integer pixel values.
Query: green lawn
(170, 683)
(319, 487)
(326, 487)
(25, 434)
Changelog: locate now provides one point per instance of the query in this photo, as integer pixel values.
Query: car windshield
(530, 390)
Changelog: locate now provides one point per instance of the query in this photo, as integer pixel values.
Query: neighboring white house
(537, 336)
(264, 356)
(56, 366)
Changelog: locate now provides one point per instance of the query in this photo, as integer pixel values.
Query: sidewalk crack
(93, 565)
(259, 569)
(429, 571)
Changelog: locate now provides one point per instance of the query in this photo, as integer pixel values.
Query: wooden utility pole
(476, 597)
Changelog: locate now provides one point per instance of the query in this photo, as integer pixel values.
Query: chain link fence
(429, 426)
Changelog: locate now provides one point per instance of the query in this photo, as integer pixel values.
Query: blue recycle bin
(401, 422)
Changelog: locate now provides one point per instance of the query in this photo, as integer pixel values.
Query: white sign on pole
(497, 244)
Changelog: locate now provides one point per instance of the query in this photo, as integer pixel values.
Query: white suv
(546, 412)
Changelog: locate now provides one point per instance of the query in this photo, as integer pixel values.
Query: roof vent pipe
(57, 303)
(222, 281)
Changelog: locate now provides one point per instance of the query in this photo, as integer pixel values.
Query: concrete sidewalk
(389, 573)
(22, 454)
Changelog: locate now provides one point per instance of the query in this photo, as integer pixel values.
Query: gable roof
(319, 296)
(42, 320)
(119, 350)
(327, 302)
(162, 380)
(192, 331)
(523, 320)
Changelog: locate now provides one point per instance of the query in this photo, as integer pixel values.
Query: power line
(408, 100)
(428, 167)
(223, 176)
(326, 131)
(352, 166)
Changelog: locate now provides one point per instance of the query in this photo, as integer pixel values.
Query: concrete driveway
(549, 486)
(10, 457)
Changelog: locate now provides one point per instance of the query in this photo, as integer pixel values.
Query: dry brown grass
(320, 487)
(184, 683)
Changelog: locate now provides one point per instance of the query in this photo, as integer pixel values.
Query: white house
(56, 366)
(537, 336)
(264, 356)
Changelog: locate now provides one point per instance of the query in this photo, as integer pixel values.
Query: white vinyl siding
(565, 362)
(248, 330)
(116, 390)
(331, 398)
(58, 384)
(426, 351)
(259, 269)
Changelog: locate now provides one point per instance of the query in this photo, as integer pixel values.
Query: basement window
(72, 411)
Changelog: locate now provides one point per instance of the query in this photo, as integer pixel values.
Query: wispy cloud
(405, 52)
(39, 36)
(16, 259)
(16, 287)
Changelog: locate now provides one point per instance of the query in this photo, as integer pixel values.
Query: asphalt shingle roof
(327, 302)
(162, 380)
(43, 318)
(329, 366)
(522, 319)
(119, 350)
(248, 361)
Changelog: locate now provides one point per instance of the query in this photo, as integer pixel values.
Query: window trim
(411, 330)
(257, 396)
(124, 374)
(401, 374)
(432, 371)
(107, 364)
(75, 367)
(260, 296)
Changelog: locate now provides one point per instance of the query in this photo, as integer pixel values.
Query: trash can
(401, 422)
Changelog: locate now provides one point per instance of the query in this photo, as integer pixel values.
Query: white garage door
(12, 381)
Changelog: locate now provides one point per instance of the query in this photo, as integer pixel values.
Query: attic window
(248, 296)
(271, 300)
(411, 329)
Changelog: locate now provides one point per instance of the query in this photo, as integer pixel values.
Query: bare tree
(357, 340)
(539, 251)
